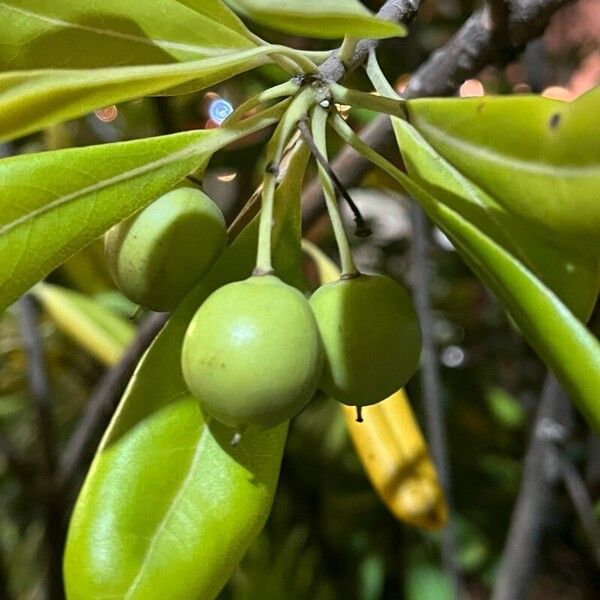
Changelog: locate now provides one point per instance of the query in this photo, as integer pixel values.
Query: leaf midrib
(165, 44)
(174, 502)
(519, 164)
(98, 186)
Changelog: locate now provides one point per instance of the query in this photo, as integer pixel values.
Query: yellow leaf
(390, 445)
(89, 324)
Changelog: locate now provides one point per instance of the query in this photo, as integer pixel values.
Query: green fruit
(252, 353)
(371, 338)
(158, 255)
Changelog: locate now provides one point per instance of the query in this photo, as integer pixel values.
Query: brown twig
(540, 474)
(582, 503)
(40, 392)
(399, 11)
(475, 45)
(102, 405)
(431, 388)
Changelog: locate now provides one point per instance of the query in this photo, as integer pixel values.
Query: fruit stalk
(319, 123)
(296, 110)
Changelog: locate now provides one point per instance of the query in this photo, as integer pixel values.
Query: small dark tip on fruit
(362, 231)
(359, 417)
(236, 439)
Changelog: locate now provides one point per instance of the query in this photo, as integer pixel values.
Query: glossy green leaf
(287, 219)
(318, 18)
(217, 10)
(31, 100)
(562, 341)
(54, 203)
(571, 274)
(538, 157)
(58, 34)
(169, 506)
(91, 325)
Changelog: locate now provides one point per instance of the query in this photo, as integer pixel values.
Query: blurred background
(329, 536)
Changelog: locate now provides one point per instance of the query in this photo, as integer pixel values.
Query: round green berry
(157, 255)
(252, 353)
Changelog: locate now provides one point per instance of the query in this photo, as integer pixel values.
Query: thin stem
(317, 56)
(582, 503)
(250, 208)
(289, 88)
(319, 125)
(348, 135)
(347, 50)
(101, 405)
(377, 78)
(373, 102)
(430, 371)
(40, 391)
(362, 230)
(435, 423)
(275, 148)
(290, 60)
(533, 506)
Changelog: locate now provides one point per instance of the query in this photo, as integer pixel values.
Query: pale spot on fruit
(243, 333)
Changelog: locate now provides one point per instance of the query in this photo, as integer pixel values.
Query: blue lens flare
(219, 110)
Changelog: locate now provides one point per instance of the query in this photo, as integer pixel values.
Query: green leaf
(562, 341)
(95, 328)
(169, 506)
(57, 34)
(571, 274)
(505, 408)
(287, 218)
(539, 158)
(425, 581)
(323, 19)
(52, 204)
(216, 9)
(31, 100)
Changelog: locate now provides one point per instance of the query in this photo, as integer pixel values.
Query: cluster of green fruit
(257, 350)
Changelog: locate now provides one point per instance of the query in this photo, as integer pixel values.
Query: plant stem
(289, 59)
(373, 102)
(348, 135)
(297, 109)
(430, 373)
(289, 88)
(319, 126)
(435, 423)
(530, 514)
(362, 230)
(317, 56)
(377, 78)
(40, 391)
(101, 406)
(582, 502)
(347, 50)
